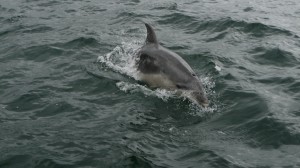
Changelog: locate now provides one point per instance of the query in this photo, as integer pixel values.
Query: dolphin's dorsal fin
(151, 37)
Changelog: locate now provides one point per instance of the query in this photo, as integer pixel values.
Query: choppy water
(68, 97)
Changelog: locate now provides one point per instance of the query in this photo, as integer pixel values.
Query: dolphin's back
(165, 61)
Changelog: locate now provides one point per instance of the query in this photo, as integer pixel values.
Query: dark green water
(68, 97)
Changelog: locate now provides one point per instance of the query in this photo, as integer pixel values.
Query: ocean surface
(69, 98)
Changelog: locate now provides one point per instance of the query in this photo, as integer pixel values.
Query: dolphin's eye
(193, 74)
(180, 86)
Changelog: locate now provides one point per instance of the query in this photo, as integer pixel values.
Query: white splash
(218, 68)
(122, 58)
(133, 88)
(209, 84)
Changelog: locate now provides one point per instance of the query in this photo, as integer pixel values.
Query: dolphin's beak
(200, 99)
(197, 98)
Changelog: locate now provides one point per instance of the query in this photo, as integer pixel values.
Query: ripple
(217, 37)
(14, 19)
(38, 29)
(26, 102)
(16, 161)
(245, 106)
(51, 163)
(273, 56)
(80, 42)
(294, 87)
(171, 6)
(208, 158)
(41, 53)
(11, 30)
(193, 26)
(269, 132)
(262, 30)
(54, 108)
(125, 17)
(92, 9)
(277, 80)
(134, 161)
(50, 3)
(178, 19)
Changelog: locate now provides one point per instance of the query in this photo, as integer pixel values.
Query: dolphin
(159, 67)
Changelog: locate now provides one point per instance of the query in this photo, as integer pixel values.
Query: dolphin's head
(200, 98)
(194, 91)
(198, 92)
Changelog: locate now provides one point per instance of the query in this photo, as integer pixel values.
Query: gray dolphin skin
(159, 67)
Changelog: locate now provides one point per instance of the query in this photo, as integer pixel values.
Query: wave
(10, 31)
(135, 161)
(37, 29)
(29, 160)
(270, 132)
(80, 42)
(273, 56)
(41, 53)
(180, 20)
(256, 29)
(193, 25)
(14, 19)
(169, 154)
(16, 161)
(166, 6)
(277, 80)
(128, 17)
